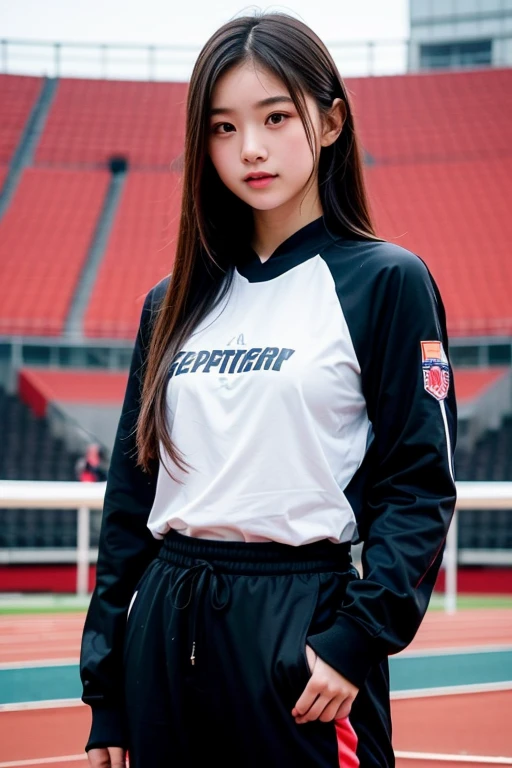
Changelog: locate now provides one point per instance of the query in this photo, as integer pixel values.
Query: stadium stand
(87, 400)
(44, 238)
(38, 387)
(439, 141)
(456, 216)
(490, 459)
(138, 254)
(439, 167)
(91, 120)
(30, 452)
(472, 384)
(18, 95)
(436, 117)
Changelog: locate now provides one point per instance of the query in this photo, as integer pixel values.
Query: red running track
(471, 724)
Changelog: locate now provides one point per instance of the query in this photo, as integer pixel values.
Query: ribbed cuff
(108, 729)
(348, 648)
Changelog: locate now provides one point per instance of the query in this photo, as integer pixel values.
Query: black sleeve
(410, 490)
(126, 547)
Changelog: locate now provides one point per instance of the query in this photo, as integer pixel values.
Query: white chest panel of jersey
(265, 404)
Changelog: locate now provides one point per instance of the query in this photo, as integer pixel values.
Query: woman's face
(255, 129)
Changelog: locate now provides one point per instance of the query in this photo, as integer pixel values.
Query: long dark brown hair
(214, 223)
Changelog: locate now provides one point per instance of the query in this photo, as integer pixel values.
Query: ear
(333, 122)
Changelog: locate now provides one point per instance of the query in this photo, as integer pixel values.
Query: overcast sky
(184, 22)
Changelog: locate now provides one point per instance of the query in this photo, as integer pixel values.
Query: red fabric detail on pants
(347, 743)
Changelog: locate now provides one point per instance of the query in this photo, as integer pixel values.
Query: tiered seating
(17, 97)
(29, 452)
(139, 253)
(39, 387)
(491, 459)
(440, 186)
(470, 384)
(435, 117)
(456, 217)
(91, 120)
(44, 238)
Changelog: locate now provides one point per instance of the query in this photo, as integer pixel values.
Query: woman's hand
(108, 757)
(327, 696)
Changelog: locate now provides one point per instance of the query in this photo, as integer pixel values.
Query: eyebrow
(264, 103)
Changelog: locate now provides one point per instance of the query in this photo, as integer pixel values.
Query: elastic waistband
(248, 557)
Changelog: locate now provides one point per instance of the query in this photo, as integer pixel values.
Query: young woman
(289, 394)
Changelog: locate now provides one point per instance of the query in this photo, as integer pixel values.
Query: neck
(271, 228)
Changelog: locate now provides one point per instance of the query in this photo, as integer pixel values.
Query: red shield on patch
(436, 370)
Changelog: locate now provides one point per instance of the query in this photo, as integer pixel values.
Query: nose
(253, 148)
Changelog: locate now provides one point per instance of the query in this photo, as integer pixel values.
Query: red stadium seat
(456, 216)
(17, 97)
(439, 173)
(45, 235)
(472, 384)
(139, 253)
(435, 117)
(91, 120)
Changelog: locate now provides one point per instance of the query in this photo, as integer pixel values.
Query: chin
(264, 207)
(264, 203)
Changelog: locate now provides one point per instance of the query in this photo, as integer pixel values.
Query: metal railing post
(4, 56)
(82, 552)
(104, 61)
(57, 58)
(450, 587)
(371, 57)
(151, 62)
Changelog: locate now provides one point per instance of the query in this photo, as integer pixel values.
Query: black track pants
(215, 660)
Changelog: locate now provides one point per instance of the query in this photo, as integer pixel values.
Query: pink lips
(259, 180)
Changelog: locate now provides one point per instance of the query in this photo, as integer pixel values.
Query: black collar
(304, 244)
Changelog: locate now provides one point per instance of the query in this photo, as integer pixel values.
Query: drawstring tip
(193, 655)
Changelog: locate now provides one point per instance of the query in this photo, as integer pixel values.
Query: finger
(117, 757)
(315, 710)
(307, 698)
(344, 710)
(331, 710)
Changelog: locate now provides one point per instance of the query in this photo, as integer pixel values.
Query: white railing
(42, 494)
(384, 56)
(82, 497)
(470, 495)
(172, 62)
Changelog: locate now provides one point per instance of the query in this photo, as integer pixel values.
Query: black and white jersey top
(315, 402)
(274, 398)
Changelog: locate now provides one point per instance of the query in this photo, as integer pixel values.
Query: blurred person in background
(92, 467)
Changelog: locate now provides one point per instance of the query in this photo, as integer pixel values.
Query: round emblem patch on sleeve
(436, 371)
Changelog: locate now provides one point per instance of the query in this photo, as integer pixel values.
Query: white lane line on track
(48, 704)
(44, 761)
(38, 663)
(455, 651)
(447, 758)
(452, 690)
(433, 756)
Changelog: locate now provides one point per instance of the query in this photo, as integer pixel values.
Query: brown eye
(277, 118)
(223, 128)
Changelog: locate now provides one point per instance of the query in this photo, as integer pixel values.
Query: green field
(474, 601)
